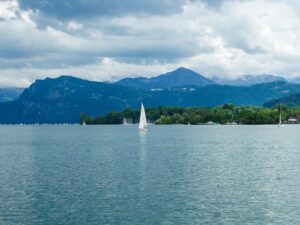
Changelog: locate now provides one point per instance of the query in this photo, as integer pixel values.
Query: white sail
(143, 119)
(125, 121)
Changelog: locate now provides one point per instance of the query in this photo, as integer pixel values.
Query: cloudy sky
(106, 40)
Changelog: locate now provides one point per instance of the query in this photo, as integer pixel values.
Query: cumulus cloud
(107, 40)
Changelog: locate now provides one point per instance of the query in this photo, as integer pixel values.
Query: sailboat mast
(280, 119)
(279, 113)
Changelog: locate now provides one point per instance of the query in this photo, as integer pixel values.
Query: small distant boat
(143, 119)
(210, 123)
(280, 124)
(83, 124)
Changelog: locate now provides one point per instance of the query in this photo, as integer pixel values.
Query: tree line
(224, 114)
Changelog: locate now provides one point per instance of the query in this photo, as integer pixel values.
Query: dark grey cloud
(78, 9)
(164, 53)
(135, 40)
(48, 61)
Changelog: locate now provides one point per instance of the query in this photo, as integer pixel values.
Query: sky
(106, 40)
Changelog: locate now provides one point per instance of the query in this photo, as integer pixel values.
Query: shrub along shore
(225, 114)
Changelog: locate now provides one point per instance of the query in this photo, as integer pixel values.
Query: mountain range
(176, 78)
(62, 99)
(184, 77)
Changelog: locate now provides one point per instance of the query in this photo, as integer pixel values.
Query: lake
(169, 175)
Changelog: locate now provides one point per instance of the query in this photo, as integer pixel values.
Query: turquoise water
(169, 175)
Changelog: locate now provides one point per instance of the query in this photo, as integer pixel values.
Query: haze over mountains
(10, 94)
(290, 100)
(248, 80)
(61, 100)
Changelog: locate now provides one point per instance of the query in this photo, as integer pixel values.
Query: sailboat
(143, 119)
(280, 124)
(125, 121)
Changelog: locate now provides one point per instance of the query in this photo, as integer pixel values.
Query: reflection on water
(143, 144)
(167, 175)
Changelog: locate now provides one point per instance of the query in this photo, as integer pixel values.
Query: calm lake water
(170, 175)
